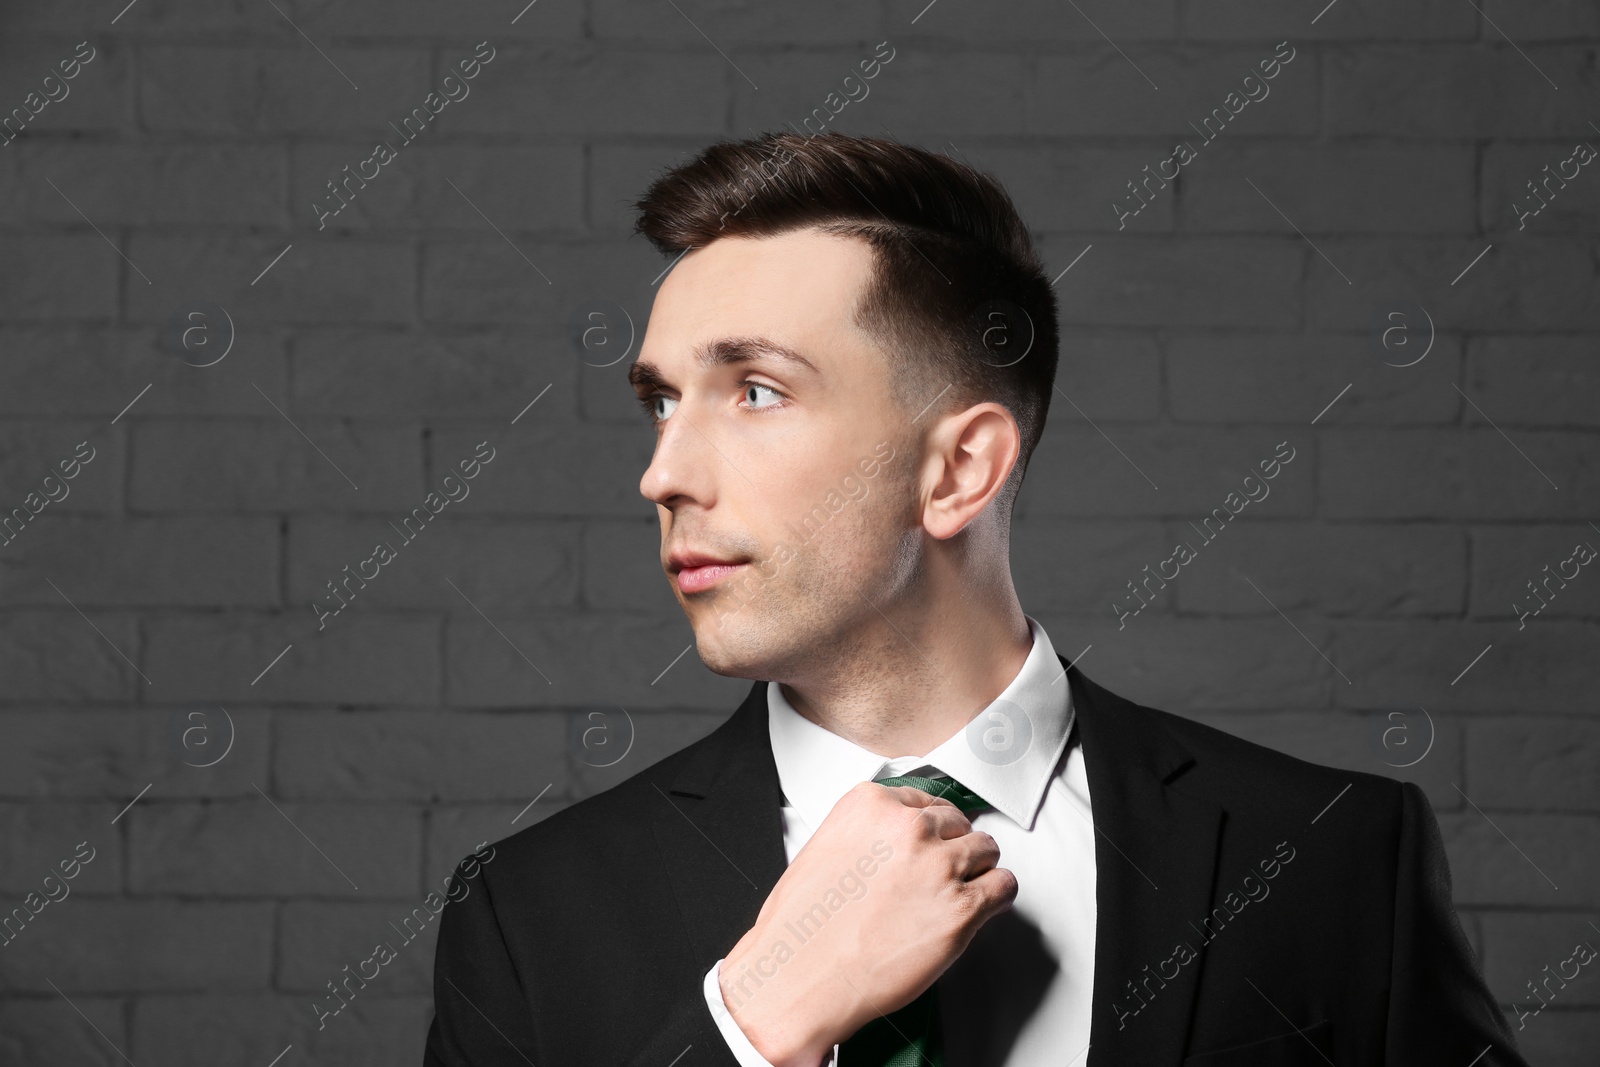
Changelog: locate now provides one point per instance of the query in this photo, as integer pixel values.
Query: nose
(680, 469)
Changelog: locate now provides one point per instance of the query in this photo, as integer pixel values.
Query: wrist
(780, 1032)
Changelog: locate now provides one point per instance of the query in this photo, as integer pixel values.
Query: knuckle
(864, 795)
(965, 904)
(925, 823)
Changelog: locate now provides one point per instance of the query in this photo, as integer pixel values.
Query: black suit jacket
(1252, 909)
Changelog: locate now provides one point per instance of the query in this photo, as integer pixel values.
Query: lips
(696, 579)
(695, 571)
(683, 558)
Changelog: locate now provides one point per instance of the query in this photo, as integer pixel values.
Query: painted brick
(404, 755)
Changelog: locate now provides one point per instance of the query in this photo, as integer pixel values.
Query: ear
(970, 456)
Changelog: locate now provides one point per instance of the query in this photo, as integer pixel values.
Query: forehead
(798, 288)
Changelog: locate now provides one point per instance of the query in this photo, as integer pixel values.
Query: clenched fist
(883, 898)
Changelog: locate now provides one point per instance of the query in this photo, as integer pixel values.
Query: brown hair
(958, 291)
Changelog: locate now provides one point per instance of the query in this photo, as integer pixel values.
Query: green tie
(909, 1036)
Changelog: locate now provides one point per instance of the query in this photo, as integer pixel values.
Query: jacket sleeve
(1440, 1008)
(481, 1016)
(687, 1037)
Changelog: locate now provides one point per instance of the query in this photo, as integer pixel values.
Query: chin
(733, 647)
(718, 660)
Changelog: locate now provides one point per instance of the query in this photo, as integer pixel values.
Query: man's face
(801, 476)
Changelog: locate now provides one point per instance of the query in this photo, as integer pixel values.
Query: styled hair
(958, 297)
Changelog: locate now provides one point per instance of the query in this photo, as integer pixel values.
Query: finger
(976, 853)
(912, 797)
(947, 820)
(997, 888)
(950, 820)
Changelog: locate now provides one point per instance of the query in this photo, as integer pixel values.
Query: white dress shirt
(1020, 994)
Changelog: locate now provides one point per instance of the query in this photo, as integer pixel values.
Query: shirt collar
(1007, 754)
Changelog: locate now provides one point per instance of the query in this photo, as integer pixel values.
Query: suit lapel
(1155, 857)
(719, 825)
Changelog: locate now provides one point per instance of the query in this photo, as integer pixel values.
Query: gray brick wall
(156, 617)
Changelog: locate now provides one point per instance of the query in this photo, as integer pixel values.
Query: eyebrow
(723, 352)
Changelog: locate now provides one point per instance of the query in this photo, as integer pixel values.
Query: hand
(916, 882)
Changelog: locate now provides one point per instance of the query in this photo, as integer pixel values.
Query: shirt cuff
(743, 1050)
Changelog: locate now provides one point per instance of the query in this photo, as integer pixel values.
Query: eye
(648, 403)
(750, 385)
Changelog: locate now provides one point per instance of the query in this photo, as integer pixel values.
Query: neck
(915, 674)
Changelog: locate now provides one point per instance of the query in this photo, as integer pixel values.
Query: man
(846, 375)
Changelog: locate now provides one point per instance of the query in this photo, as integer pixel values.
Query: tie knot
(944, 786)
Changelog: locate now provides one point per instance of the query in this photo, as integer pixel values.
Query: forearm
(738, 1041)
